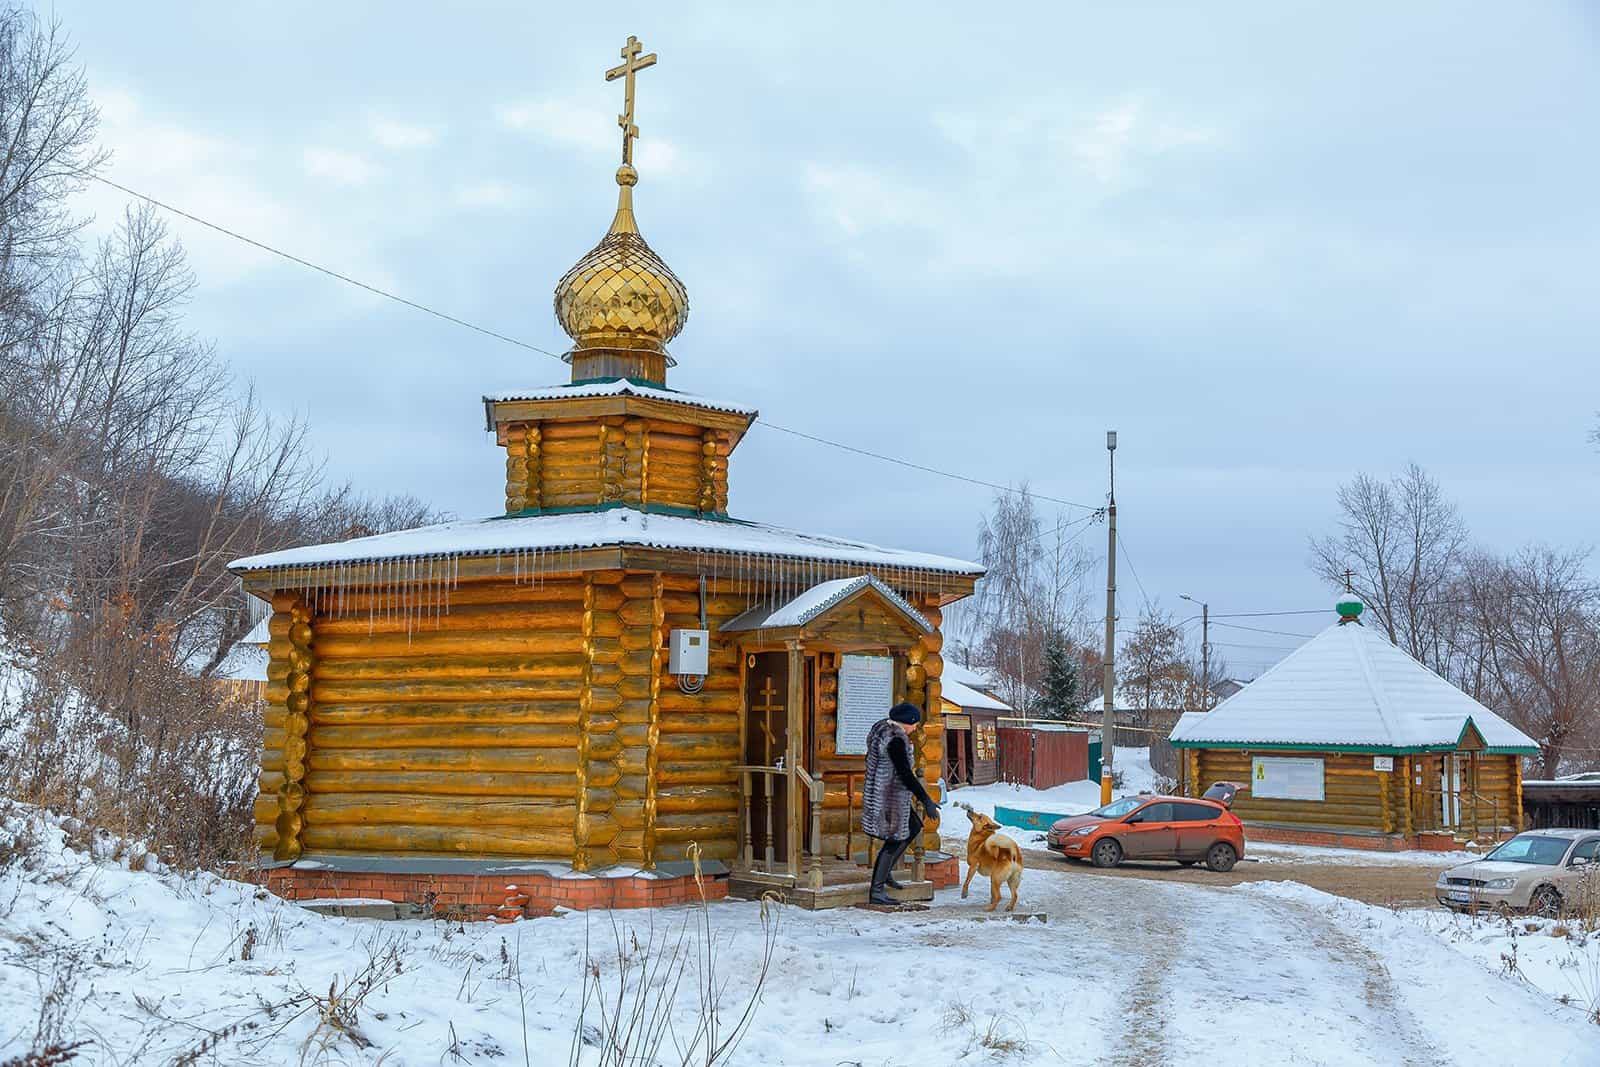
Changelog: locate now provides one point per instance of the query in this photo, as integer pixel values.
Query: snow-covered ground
(1272, 852)
(1073, 798)
(150, 966)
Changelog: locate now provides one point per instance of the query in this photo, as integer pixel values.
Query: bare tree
(47, 152)
(1535, 618)
(1154, 670)
(1032, 595)
(1402, 543)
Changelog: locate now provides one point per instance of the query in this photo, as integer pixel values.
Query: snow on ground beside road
(1272, 852)
(147, 965)
(1072, 798)
(1518, 950)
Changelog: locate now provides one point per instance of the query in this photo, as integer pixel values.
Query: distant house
(971, 714)
(1350, 737)
(243, 671)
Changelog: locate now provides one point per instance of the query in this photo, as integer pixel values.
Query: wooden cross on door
(768, 694)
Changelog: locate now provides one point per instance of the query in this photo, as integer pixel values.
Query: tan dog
(995, 855)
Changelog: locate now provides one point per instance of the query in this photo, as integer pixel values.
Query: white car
(1542, 871)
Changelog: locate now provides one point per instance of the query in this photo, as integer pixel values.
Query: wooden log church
(614, 685)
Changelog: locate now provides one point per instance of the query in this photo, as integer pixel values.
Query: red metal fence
(1043, 758)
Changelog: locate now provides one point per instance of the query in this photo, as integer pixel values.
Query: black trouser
(890, 854)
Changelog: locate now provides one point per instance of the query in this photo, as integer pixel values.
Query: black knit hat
(909, 714)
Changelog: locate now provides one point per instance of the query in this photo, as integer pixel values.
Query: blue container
(1027, 820)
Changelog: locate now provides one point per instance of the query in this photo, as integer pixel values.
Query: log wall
(533, 720)
(640, 462)
(458, 737)
(1403, 801)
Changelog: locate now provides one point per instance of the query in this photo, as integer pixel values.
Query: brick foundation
(479, 896)
(943, 873)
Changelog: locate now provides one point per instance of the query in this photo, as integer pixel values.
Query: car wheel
(1106, 853)
(1546, 901)
(1221, 857)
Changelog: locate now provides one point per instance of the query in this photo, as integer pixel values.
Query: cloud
(392, 134)
(225, 179)
(489, 193)
(591, 128)
(336, 165)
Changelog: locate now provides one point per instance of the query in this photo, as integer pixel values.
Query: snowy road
(149, 968)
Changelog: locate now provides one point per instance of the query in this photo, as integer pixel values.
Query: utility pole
(1205, 649)
(1108, 683)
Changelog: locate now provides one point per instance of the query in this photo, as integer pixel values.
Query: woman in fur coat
(886, 794)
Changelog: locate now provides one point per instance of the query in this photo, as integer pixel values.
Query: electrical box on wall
(689, 652)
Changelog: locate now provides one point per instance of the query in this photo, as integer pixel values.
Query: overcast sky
(1272, 248)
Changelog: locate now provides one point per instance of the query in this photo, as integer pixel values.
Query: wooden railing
(790, 863)
(1468, 804)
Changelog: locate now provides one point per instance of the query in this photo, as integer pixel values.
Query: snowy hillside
(150, 967)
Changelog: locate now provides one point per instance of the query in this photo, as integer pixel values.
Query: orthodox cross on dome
(1348, 575)
(632, 63)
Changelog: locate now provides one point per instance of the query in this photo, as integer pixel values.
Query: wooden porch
(799, 786)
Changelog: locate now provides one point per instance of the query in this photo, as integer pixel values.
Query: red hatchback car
(1184, 829)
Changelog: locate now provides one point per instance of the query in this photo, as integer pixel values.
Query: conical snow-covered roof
(1349, 687)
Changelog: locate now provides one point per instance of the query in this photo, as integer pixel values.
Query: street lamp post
(1205, 650)
(1108, 678)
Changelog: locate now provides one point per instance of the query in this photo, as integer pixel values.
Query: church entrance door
(766, 739)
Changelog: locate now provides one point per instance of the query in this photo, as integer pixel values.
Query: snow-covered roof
(1349, 687)
(619, 387)
(971, 677)
(245, 662)
(965, 696)
(597, 529)
(817, 600)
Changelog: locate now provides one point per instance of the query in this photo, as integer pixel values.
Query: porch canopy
(844, 612)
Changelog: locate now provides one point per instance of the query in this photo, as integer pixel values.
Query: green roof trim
(1376, 750)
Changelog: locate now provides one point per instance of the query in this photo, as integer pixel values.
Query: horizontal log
(671, 777)
(689, 800)
(554, 499)
(396, 809)
(445, 735)
(725, 849)
(430, 690)
(536, 618)
(559, 786)
(411, 839)
(543, 712)
(266, 809)
(697, 747)
(494, 590)
(430, 643)
(687, 723)
(703, 827)
(527, 760)
(563, 659)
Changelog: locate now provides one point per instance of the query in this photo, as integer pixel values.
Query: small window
(1586, 849)
(1195, 813)
(1161, 812)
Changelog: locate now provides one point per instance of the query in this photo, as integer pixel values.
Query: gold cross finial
(632, 62)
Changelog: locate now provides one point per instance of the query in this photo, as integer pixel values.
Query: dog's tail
(1010, 850)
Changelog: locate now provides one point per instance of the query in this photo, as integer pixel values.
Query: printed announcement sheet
(866, 693)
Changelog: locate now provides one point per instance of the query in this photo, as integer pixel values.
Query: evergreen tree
(1061, 694)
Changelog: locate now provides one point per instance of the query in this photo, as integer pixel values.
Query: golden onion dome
(621, 303)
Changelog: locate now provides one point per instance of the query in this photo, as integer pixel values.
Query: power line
(1426, 604)
(324, 270)
(1132, 569)
(485, 331)
(1260, 630)
(920, 467)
